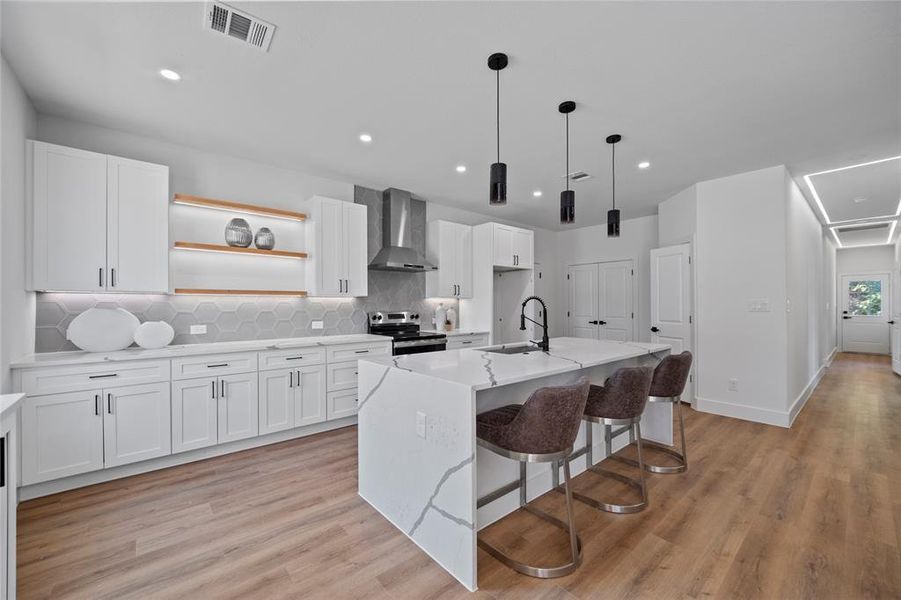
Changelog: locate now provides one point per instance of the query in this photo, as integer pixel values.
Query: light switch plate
(198, 329)
(316, 324)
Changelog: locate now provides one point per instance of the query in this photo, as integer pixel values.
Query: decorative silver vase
(238, 233)
(264, 239)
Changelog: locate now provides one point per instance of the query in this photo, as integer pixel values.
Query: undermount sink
(513, 350)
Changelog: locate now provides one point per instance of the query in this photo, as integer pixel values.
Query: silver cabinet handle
(109, 403)
(97, 404)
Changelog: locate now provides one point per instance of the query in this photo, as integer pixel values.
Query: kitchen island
(419, 464)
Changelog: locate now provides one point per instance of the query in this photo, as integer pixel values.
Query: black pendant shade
(498, 193)
(568, 196)
(613, 214)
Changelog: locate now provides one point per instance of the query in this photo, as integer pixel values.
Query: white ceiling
(701, 90)
(860, 192)
(871, 234)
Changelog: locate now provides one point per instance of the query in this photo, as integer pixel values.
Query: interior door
(671, 301)
(136, 424)
(138, 226)
(866, 312)
(69, 189)
(896, 319)
(583, 301)
(615, 312)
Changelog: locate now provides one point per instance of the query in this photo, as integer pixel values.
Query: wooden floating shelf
(237, 250)
(297, 293)
(238, 207)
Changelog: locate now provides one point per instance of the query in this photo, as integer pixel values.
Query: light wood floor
(764, 512)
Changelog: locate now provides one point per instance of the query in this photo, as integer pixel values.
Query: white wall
(17, 123)
(677, 218)
(867, 259)
(828, 324)
(740, 255)
(591, 244)
(805, 310)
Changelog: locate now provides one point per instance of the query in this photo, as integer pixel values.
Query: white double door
(866, 313)
(600, 301)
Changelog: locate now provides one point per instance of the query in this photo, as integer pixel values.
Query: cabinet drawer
(341, 376)
(52, 380)
(300, 357)
(341, 404)
(213, 365)
(355, 351)
(467, 341)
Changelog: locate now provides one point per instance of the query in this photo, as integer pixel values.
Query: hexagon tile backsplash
(241, 317)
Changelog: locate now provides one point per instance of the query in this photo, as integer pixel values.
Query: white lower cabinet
(194, 414)
(292, 398)
(238, 407)
(136, 423)
(467, 341)
(62, 435)
(342, 404)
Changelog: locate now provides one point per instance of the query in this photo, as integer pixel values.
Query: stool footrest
(663, 469)
(498, 493)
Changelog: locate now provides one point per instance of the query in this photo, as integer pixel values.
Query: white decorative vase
(154, 334)
(103, 329)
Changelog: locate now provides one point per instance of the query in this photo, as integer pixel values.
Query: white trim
(805, 394)
(76, 481)
(816, 196)
(744, 412)
(827, 362)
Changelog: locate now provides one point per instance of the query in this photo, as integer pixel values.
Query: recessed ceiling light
(365, 138)
(859, 200)
(644, 164)
(461, 168)
(537, 193)
(170, 74)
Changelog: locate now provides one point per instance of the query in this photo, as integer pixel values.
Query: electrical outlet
(420, 424)
(316, 324)
(198, 329)
(733, 385)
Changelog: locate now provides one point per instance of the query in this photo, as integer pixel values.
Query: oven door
(419, 346)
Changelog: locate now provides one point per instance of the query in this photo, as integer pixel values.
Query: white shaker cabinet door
(194, 414)
(68, 188)
(463, 260)
(276, 400)
(332, 261)
(138, 226)
(522, 248)
(136, 423)
(309, 395)
(62, 435)
(503, 245)
(238, 407)
(355, 246)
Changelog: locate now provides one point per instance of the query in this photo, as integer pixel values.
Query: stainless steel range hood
(397, 253)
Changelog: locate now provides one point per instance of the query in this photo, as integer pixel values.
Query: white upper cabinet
(449, 245)
(512, 247)
(137, 236)
(98, 222)
(339, 262)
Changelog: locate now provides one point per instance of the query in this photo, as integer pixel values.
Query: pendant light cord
(567, 152)
(498, 116)
(613, 171)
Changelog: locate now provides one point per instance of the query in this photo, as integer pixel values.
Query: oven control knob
(415, 315)
(378, 317)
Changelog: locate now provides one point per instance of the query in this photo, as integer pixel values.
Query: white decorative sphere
(103, 329)
(154, 334)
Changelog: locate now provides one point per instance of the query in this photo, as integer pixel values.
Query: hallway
(763, 512)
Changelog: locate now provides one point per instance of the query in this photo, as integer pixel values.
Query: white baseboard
(827, 362)
(76, 481)
(742, 411)
(802, 398)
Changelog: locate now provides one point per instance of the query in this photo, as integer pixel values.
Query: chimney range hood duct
(397, 253)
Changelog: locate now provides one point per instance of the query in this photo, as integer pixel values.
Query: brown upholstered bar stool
(541, 430)
(620, 402)
(669, 381)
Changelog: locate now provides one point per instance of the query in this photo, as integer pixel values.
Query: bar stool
(620, 402)
(669, 381)
(541, 430)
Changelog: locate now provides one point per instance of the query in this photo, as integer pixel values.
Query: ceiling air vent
(239, 25)
(577, 176)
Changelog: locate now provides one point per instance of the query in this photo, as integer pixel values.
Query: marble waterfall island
(418, 460)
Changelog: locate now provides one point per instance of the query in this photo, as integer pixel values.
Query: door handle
(592, 322)
(602, 322)
(655, 329)
(892, 322)
(845, 317)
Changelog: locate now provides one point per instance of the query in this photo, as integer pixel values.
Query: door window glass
(865, 298)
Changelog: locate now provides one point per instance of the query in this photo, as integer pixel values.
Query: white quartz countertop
(79, 357)
(9, 403)
(481, 369)
(457, 332)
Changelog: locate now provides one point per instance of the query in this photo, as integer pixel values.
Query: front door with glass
(866, 312)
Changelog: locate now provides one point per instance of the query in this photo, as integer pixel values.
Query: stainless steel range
(403, 328)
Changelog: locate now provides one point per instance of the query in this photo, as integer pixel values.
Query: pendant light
(613, 214)
(498, 195)
(567, 197)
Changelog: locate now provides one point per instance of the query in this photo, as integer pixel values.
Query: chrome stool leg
(681, 457)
